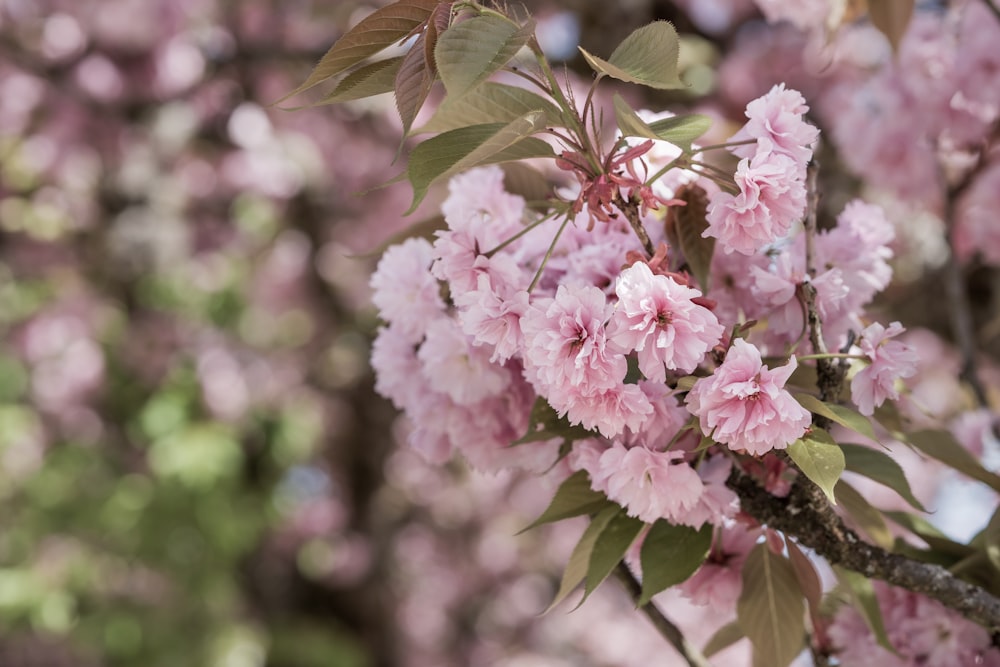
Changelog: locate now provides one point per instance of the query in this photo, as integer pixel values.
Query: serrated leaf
(724, 637)
(678, 130)
(820, 458)
(688, 222)
(880, 467)
(770, 610)
(489, 103)
(468, 53)
(867, 518)
(579, 560)
(378, 30)
(941, 445)
(839, 414)
(457, 150)
(573, 498)
(413, 83)
(863, 595)
(891, 17)
(629, 122)
(544, 423)
(610, 549)
(648, 57)
(809, 581)
(670, 554)
(682, 130)
(373, 79)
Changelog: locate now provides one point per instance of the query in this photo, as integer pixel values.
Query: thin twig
(959, 311)
(631, 210)
(663, 625)
(830, 373)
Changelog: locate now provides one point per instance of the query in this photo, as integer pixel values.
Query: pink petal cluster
(922, 631)
(404, 291)
(570, 361)
(650, 485)
(772, 196)
(719, 581)
(889, 360)
(776, 121)
(657, 317)
(744, 404)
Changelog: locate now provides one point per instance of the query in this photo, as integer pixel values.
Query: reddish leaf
(378, 30)
(413, 84)
(688, 223)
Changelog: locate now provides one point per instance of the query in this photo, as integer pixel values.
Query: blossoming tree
(670, 326)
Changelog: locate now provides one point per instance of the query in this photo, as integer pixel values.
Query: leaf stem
(528, 228)
(548, 254)
(730, 144)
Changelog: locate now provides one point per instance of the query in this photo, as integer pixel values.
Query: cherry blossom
(744, 404)
(890, 360)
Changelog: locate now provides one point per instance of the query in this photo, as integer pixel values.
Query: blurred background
(194, 467)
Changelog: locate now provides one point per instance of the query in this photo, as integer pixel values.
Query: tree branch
(663, 625)
(820, 529)
(631, 210)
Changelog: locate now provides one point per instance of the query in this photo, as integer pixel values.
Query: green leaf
(457, 150)
(863, 595)
(670, 554)
(682, 130)
(648, 57)
(820, 458)
(724, 637)
(413, 83)
(880, 467)
(573, 498)
(770, 610)
(489, 103)
(610, 548)
(891, 17)
(529, 183)
(468, 53)
(867, 518)
(375, 32)
(941, 445)
(579, 560)
(373, 79)
(685, 225)
(929, 533)
(839, 414)
(544, 423)
(629, 122)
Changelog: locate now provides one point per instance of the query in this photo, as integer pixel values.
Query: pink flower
(776, 120)
(772, 196)
(650, 485)
(405, 292)
(610, 412)
(890, 361)
(452, 365)
(657, 318)
(719, 581)
(492, 313)
(744, 404)
(566, 346)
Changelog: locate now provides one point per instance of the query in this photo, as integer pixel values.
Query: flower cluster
(505, 310)
(770, 176)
